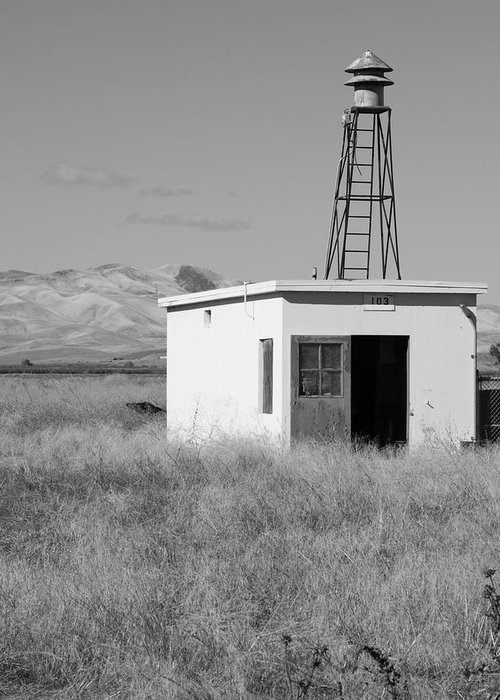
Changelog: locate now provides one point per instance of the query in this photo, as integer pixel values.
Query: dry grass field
(135, 568)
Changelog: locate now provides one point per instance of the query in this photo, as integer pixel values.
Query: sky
(207, 132)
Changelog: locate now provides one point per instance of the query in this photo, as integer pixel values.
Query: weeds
(486, 672)
(385, 668)
(492, 598)
(133, 567)
(301, 676)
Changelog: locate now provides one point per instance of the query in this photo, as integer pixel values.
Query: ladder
(364, 188)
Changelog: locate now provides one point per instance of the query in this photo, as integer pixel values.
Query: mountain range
(92, 315)
(111, 311)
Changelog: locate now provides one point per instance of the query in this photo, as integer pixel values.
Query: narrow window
(320, 369)
(266, 361)
(208, 318)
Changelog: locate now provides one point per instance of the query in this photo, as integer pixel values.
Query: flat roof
(274, 287)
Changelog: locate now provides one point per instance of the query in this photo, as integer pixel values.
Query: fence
(489, 408)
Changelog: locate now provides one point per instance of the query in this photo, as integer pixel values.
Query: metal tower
(364, 205)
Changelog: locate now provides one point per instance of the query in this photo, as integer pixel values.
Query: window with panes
(320, 369)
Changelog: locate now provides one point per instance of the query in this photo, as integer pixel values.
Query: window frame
(266, 372)
(297, 342)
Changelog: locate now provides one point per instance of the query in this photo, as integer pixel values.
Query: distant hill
(488, 324)
(91, 315)
(111, 311)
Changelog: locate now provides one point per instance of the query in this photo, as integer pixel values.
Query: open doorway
(379, 388)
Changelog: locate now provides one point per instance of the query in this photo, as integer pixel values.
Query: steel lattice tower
(364, 207)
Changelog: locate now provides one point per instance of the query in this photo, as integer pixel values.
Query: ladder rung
(359, 216)
(366, 198)
(365, 269)
(356, 233)
(365, 148)
(363, 165)
(365, 252)
(362, 182)
(364, 130)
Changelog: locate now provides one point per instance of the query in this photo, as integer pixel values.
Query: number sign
(378, 302)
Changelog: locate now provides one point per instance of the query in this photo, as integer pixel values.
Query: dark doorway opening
(379, 389)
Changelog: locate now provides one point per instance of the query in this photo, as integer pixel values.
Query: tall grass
(133, 567)
(31, 403)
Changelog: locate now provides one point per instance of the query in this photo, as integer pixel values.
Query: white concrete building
(389, 361)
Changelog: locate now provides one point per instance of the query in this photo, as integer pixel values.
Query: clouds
(66, 176)
(85, 176)
(161, 191)
(104, 179)
(197, 222)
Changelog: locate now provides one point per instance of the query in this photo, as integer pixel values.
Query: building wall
(213, 376)
(441, 366)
